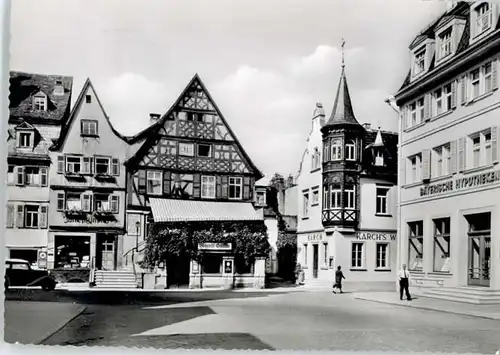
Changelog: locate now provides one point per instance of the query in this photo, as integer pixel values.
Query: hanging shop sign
(215, 246)
(461, 183)
(379, 236)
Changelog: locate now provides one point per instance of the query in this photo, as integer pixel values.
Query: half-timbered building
(39, 106)
(191, 167)
(87, 193)
(346, 208)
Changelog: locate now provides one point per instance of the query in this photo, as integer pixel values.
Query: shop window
(416, 245)
(325, 254)
(442, 245)
(242, 267)
(212, 264)
(71, 252)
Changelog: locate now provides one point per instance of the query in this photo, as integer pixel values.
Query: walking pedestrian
(338, 280)
(404, 282)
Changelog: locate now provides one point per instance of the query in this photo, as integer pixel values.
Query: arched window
(350, 150)
(336, 151)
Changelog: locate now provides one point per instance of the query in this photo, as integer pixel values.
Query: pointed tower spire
(342, 112)
(378, 139)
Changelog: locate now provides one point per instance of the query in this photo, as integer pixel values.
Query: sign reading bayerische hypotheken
(379, 236)
(215, 246)
(461, 183)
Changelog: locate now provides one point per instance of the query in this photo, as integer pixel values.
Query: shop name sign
(461, 184)
(315, 237)
(375, 236)
(215, 246)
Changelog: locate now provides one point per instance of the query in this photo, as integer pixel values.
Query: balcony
(340, 217)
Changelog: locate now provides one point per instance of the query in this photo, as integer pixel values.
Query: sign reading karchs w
(380, 236)
(215, 246)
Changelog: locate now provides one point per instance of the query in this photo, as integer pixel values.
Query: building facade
(449, 175)
(346, 204)
(39, 106)
(190, 167)
(87, 192)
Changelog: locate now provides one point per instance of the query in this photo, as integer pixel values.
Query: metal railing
(132, 254)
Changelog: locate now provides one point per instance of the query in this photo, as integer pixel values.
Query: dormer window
(445, 43)
(419, 65)
(40, 102)
(379, 158)
(483, 18)
(25, 139)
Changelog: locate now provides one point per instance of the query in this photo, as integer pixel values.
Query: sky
(265, 62)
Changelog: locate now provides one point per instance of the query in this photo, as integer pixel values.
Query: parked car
(18, 272)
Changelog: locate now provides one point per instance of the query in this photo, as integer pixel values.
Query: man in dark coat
(338, 280)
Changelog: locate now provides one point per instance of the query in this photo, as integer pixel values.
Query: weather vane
(343, 44)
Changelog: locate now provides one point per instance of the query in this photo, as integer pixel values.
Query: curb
(62, 325)
(427, 308)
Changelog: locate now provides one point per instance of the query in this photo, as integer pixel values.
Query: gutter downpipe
(391, 101)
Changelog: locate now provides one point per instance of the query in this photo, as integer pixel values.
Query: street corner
(34, 322)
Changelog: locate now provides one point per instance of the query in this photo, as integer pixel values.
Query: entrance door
(315, 261)
(178, 271)
(479, 260)
(107, 251)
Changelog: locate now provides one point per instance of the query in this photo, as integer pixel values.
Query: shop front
(213, 245)
(450, 236)
(316, 257)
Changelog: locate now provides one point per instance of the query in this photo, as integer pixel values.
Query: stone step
(464, 294)
(462, 300)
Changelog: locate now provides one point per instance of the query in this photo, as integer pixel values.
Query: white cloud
(129, 98)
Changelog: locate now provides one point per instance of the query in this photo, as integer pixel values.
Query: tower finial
(343, 44)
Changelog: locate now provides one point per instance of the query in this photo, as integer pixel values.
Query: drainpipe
(391, 101)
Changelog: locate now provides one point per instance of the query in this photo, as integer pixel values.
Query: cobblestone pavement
(297, 320)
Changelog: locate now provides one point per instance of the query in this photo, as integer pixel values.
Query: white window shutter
(464, 89)
(454, 94)
(43, 216)
(453, 157)
(402, 171)
(427, 107)
(494, 75)
(404, 117)
(494, 144)
(426, 167)
(461, 154)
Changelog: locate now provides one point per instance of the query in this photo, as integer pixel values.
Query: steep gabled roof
(65, 129)
(342, 112)
(151, 133)
(23, 86)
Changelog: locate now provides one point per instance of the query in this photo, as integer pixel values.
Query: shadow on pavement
(103, 323)
(127, 297)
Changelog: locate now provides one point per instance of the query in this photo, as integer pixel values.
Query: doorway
(315, 261)
(178, 271)
(479, 249)
(106, 254)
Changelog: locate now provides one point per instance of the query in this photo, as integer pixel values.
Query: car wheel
(48, 286)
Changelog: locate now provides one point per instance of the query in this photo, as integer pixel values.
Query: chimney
(367, 125)
(58, 88)
(153, 118)
(319, 112)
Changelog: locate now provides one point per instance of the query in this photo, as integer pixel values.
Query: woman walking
(338, 280)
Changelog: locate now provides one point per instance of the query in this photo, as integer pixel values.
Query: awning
(173, 210)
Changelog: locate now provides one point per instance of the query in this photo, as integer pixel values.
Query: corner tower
(342, 147)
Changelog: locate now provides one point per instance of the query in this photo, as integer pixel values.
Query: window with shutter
(461, 154)
(42, 220)
(115, 167)
(115, 203)
(10, 216)
(60, 201)
(246, 188)
(494, 74)
(196, 186)
(60, 164)
(43, 176)
(20, 216)
(427, 107)
(218, 187)
(87, 165)
(20, 175)
(453, 157)
(426, 164)
(224, 188)
(454, 94)
(166, 182)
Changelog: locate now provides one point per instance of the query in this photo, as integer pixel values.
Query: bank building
(449, 178)
(347, 201)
